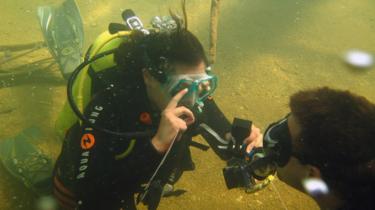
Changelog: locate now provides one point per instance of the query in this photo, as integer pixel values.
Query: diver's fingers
(174, 101)
(255, 131)
(253, 135)
(249, 147)
(257, 143)
(182, 125)
(185, 114)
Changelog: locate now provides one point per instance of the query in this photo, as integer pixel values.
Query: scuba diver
(149, 93)
(325, 147)
(329, 147)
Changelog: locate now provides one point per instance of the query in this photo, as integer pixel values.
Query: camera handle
(241, 129)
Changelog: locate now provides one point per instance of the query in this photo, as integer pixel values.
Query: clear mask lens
(200, 86)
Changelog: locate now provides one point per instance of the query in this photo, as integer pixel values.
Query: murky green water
(267, 50)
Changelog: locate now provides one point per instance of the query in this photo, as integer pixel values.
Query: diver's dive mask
(200, 87)
(278, 142)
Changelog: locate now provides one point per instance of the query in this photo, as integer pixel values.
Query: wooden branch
(215, 5)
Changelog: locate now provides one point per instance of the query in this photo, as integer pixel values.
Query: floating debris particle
(359, 59)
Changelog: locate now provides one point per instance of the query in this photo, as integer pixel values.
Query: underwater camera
(247, 170)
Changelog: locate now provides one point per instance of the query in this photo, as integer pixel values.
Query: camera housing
(245, 168)
(236, 174)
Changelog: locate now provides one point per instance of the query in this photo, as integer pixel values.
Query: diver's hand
(255, 139)
(171, 123)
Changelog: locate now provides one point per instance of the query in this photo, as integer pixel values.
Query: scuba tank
(99, 58)
(80, 84)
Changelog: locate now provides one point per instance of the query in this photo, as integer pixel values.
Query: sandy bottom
(267, 50)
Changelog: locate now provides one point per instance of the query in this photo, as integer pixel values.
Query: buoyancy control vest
(82, 89)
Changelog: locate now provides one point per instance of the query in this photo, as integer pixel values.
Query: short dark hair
(159, 52)
(338, 136)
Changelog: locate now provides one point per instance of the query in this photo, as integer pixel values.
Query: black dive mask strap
(277, 138)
